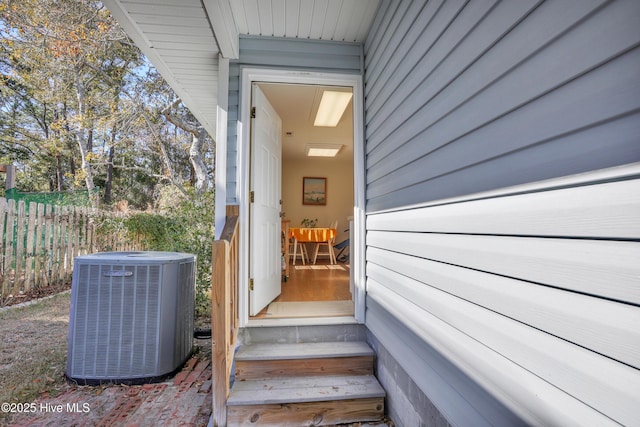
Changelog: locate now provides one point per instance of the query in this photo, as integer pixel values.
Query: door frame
(249, 75)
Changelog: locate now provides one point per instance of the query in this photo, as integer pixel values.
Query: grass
(33, 349)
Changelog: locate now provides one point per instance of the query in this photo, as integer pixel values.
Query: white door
(266, 162)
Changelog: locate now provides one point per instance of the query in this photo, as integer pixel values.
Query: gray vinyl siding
(281, 53)
(471, 96)
(498, 303)
(232, 133)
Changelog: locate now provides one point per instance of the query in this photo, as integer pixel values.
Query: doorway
(296, 97)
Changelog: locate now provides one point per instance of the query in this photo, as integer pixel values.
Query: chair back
(334, 225)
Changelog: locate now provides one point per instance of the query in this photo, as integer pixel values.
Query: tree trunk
(195, 157)
(198, 136)
(109, 184)
(59, 173)
(166, 160)
(83, 138)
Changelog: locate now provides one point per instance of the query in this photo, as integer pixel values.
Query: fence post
(10, 170)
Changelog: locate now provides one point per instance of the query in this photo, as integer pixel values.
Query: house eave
(197, 92)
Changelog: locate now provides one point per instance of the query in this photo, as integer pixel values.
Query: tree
(185, 121)
(57, 55)
(81, 108)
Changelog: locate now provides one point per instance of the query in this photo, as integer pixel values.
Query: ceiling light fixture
(331, 109)
(323, 150)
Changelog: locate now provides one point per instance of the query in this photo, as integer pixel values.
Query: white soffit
(338, 20)
(177, 38)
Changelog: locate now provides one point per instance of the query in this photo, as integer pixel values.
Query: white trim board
(249, 75)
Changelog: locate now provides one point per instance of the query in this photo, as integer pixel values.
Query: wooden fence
(39, 242)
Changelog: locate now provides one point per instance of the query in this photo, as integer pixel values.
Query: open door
(266, 170)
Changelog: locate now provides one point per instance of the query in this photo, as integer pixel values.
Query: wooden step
(258, 361)
(309, 400)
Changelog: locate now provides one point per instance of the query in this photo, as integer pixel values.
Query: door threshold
(303, 321)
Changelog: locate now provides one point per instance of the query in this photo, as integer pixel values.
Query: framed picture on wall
(314, 191)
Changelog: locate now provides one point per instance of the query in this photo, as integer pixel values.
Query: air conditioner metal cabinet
(132, 316)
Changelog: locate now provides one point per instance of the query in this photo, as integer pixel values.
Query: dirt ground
(33, 348)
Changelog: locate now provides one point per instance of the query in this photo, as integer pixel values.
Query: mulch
(33, 294)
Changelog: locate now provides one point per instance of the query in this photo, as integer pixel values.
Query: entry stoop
(313, 384)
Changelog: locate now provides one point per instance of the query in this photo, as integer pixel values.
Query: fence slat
(55, 245)
(90, 230)
(7, 287)
(30, 245)
(70, 242)
(20, 255)
(38, 247)
(3, 217)
(82, 241)
(4, 267)
(47, 250)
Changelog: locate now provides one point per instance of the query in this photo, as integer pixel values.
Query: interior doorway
(317, 149)
(243, 178)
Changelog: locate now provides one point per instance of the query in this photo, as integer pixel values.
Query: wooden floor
(319, 282)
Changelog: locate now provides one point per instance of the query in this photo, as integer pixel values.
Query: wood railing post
(224, 318)
(220, 326)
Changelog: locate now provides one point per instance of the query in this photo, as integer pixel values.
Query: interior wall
(339, 174)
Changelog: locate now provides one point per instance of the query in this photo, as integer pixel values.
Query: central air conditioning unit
(132, 316)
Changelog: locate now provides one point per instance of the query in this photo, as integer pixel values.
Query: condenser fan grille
(130, 321)
(117, 327)
(186, 297)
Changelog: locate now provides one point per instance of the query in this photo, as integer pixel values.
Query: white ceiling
(183, 38)
(297, 106)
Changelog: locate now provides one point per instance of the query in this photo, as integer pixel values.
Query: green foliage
(157, 232)
(186, 227)
(109, 230)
